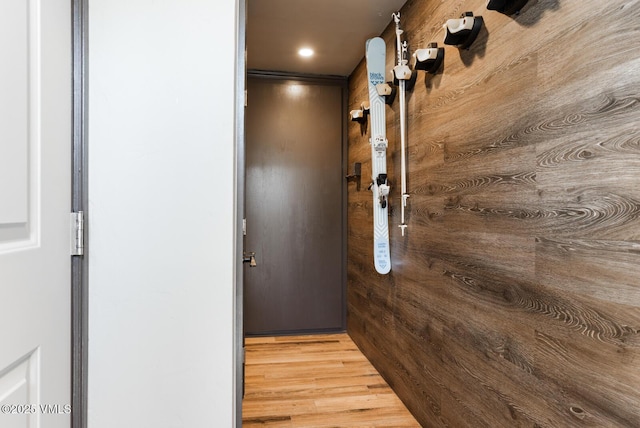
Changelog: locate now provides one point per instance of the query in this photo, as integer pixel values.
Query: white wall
(161, 211)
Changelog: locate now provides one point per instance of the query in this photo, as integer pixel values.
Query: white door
(35, 179)
(161, 155)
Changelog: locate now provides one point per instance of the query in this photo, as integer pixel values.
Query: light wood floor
(316, 381)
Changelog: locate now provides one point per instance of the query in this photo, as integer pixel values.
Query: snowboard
(375, 58)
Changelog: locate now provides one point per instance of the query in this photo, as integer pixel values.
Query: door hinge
(77, 233)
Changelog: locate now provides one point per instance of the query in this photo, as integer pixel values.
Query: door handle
(249, 258)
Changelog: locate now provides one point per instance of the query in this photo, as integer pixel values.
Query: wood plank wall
(514, 299)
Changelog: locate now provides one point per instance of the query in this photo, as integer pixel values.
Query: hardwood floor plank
(279, 422)
(316, 381)
(364, 418)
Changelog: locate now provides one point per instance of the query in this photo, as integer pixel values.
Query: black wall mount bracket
(463, 32)
(508, 7)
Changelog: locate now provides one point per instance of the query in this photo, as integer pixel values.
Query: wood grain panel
(514, 299)
(571, 361)
(605, 270)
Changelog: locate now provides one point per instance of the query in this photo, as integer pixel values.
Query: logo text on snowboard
(376, 78)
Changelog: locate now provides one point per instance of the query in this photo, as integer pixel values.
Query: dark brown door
(294, 206)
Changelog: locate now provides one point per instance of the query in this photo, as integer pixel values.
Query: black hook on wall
(387, 91)
(360, 115)
(429, 59)
(508, 7)
(462, 32)
(356, 175)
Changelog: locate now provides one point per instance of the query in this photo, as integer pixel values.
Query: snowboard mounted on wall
(376, 57)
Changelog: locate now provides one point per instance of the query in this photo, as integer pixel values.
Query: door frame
(341, 82)
(238, 289)
(240, 161)
(79, 264)
(79, 188)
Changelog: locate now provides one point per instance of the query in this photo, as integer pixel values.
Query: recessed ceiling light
(305, 52)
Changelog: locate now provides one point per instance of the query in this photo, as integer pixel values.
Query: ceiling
(335, 29)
